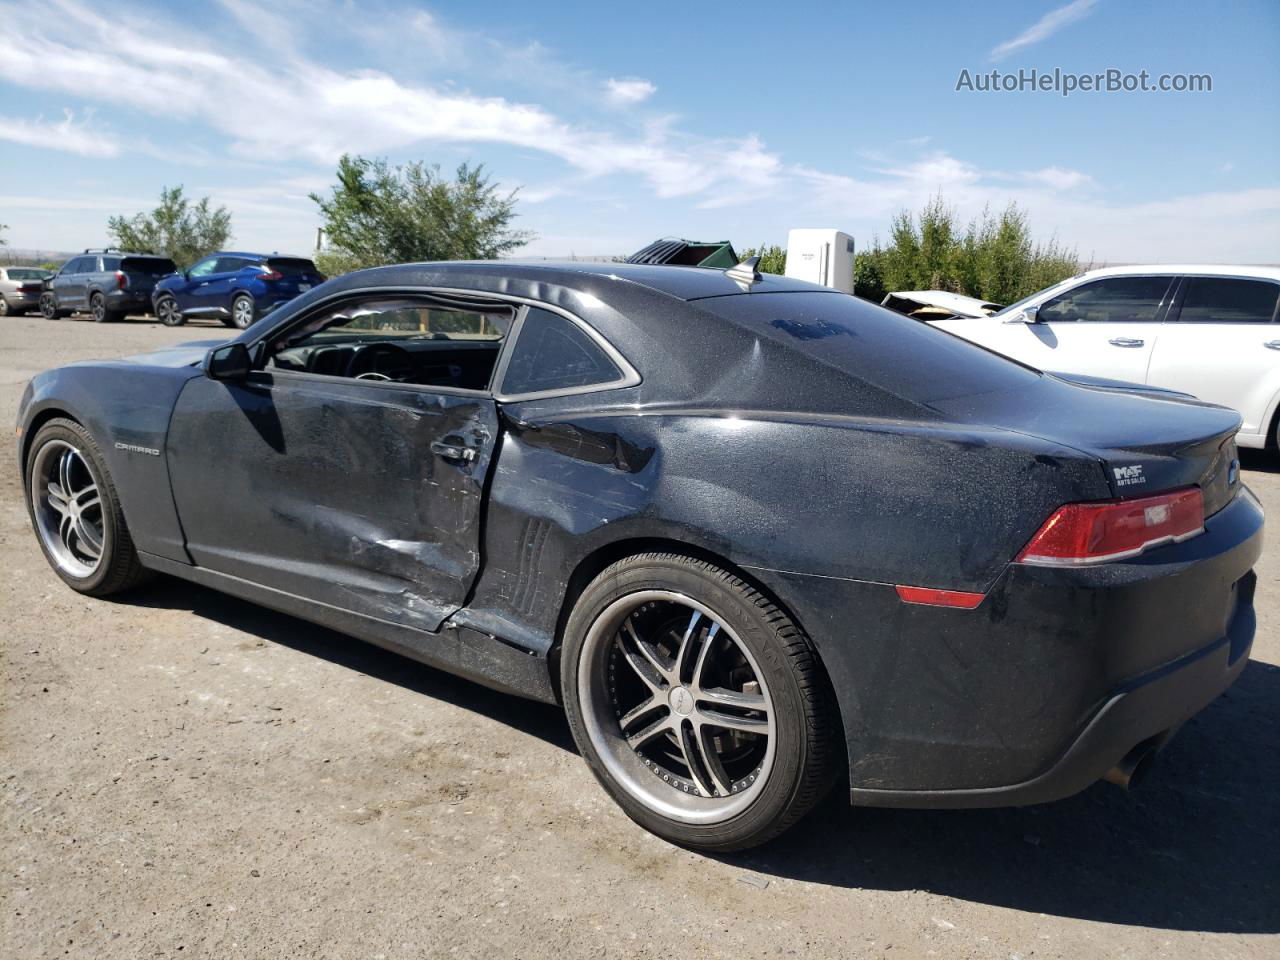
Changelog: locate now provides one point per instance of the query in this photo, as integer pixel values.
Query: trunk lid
(1145, 443)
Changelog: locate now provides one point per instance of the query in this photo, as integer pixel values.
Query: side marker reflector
(939, 598)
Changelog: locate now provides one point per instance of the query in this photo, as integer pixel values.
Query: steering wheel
(381, 361)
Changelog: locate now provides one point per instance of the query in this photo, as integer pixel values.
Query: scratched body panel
(331, 491)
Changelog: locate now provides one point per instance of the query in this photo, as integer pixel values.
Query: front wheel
(76, 512)
(697, 703)
(168, 313)
(243, 311)
(49, 307)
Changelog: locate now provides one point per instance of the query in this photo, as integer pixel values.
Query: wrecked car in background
(749, 531)
(937, 304)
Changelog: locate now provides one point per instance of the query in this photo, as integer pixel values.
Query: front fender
(126, 408)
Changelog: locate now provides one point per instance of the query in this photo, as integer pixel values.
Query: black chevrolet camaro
(755, 535)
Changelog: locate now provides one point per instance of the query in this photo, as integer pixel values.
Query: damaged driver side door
(349, 469)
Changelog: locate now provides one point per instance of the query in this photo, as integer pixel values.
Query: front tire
(698, 704)
(76, 513)
(167, 312)
(243, 311)
(49, 307)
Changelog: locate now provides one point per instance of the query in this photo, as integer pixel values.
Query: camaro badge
(1129, 476)
(134, 448)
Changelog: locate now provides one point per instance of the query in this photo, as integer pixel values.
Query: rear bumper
(1046, 685)
(1148, 709)
(132, 301)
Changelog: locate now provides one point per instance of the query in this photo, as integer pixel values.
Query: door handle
(1272, 344)
(452, 449)
(1125, 342)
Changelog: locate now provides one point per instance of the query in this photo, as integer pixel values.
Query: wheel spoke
(731, 721)
(638, 711)
(695, 682)
(655, 729)
(712, 759)
(64, 472)
(686, 644)
(89, 539)
(694, 758)
(734, 699)
(56, 499)
(656, 662)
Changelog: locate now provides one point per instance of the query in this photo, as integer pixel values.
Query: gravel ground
(184, 774)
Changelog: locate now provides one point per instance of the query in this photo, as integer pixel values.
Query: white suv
(1210, 331)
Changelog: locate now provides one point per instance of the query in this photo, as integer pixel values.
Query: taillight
(122, 280)
(270, 274)
(1081, 533)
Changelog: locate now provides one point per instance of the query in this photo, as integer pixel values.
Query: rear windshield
(152, 266)
(18, 273)
(901, 356)
(292, 266)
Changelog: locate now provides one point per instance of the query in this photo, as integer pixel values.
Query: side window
(203, 268)
(110, 264)
(78, 265)
(1228, 300)
(554, 353)
(1113, 300)
(414, 341)
(229, 264)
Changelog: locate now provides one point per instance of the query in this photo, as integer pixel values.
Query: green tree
(773, 259)
(377, 214)
(177, 228)
(993, 258)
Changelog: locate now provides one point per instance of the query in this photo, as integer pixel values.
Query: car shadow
(1196, 847)
(542, 720)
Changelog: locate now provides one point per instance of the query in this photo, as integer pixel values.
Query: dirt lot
(187, 775)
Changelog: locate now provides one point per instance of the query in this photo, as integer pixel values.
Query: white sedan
(1210, 331)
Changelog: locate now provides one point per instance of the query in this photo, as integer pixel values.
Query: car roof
(683, 283)
(1203, 269)
(260, 256)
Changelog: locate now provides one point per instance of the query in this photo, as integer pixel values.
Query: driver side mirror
(227, 362)
(1026, 315)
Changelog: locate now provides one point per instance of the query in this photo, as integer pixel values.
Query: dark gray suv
(106, 284)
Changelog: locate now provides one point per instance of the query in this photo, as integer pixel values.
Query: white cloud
(66, 135)
(629, 90)
(307, 111)
(1060, 179)
(1045, 27)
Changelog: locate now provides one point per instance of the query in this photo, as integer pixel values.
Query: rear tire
(243, 311)
(98, 309)
(75, 511)
(700, 706)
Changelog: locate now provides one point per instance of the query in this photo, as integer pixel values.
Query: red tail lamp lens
(1081, 533)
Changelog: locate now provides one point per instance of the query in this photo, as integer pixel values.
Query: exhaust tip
(1136, 764)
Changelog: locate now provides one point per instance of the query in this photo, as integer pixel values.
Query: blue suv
(236, 288)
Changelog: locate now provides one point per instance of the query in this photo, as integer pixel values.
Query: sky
(620, 125)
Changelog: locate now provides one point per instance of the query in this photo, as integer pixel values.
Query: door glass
(418, 341)
(554, 353)
(1228, 300)
(230, 264)
(1113, 300)
(204, 267)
